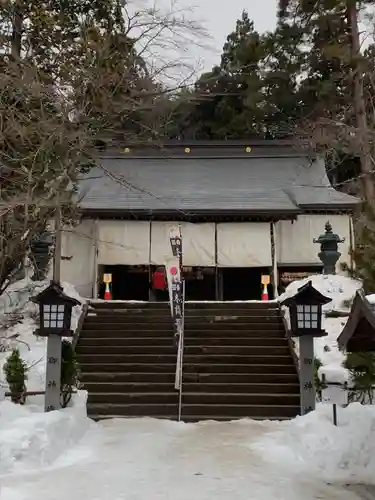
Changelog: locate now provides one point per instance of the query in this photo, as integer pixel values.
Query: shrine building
(244, 210)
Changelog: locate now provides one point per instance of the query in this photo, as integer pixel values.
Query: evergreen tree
(251, 94)
(228, 99)
(282, 70)
(332, 94)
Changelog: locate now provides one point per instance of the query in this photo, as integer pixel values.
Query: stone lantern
(329, 254)
(40, 253)
(55, 314)
(305, 309)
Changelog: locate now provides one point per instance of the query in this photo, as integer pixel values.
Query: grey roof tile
(209, 184)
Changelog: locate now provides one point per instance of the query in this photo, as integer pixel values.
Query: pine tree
(251, 93)
(361, 367)
(282, 70)
(230, 96)
(333, 91)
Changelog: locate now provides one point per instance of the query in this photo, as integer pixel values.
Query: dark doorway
(199, 283)
(128, 282)
(244, 283)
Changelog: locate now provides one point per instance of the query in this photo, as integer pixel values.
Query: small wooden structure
(358, 334)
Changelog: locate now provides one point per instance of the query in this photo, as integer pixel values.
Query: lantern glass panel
(53, 316)
(307, 316)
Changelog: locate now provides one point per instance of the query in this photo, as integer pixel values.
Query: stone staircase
(237, 362)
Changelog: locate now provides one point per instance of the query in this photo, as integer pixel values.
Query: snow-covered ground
(63, 455)
(341, 290)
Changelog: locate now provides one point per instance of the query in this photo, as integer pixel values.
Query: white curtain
(123, 242)
(295, 240)
(244, 244)
(198, 243)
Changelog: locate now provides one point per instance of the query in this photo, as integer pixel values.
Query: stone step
(156, 328)
(188, 359)
(233, 327)
(218, 418)
(189, 320)
(193, 398)
(194, 411)
(168, 327)
(193, 313)
(194, 368)
(147, 306)
(215, 388)
(169, 411)
(189, 341)
(189, 419)
(200, 379)
(240, 411)
(145, 349)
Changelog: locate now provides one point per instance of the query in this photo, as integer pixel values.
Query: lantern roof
(54, 293)
(358, 334)
(308, 295)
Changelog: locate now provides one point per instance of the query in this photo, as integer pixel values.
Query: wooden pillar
(96, 251)
(351, 243)
(150, 294)
(58, 244)
(275, 274)
(217, 277)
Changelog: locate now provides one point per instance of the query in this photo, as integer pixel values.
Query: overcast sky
(219, 18)
(191, 56)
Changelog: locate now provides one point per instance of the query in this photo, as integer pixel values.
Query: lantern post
(305, 309)
(55, 314)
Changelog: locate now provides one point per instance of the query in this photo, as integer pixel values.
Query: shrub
(69, 372)
(361, 367)
(15, 370)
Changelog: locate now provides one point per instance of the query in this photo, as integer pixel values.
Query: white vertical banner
(2, 392)
(175, 239)
(172, 268)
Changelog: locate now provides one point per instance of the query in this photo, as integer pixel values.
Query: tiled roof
(243, 184)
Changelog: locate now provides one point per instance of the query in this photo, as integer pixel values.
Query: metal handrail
(77, 333)
(180, 355)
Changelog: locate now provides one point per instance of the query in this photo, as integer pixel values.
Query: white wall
(78, 247)
(295, 239)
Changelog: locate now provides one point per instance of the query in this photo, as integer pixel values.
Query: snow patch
(30, 439)
(313, 445)
(339, 288)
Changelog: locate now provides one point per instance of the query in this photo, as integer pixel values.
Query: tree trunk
(17, 29)
(367, 174)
